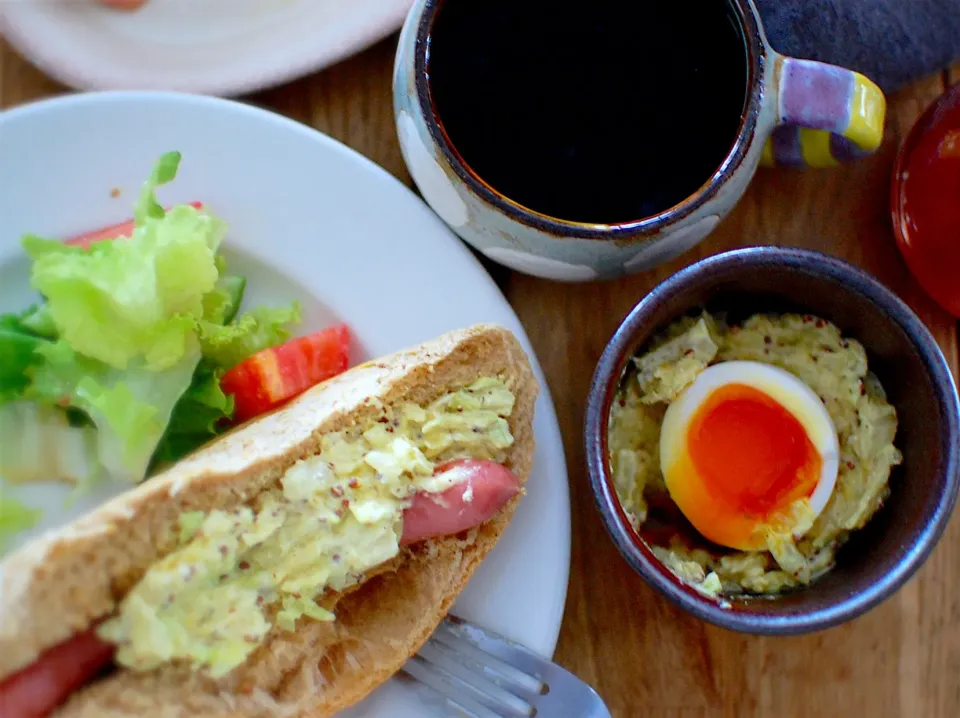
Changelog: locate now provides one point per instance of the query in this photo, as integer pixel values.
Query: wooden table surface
(646, 658)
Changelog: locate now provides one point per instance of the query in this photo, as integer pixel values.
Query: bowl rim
(606, 379)
(758, 56)
(228, 81)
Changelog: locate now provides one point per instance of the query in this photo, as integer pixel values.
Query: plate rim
(76, 74)
(52, 103)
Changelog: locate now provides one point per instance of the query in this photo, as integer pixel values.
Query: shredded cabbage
(800, 547)
(37, 442)
(294, 608)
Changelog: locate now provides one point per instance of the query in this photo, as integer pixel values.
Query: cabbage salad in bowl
(136, 355)
(746, 454)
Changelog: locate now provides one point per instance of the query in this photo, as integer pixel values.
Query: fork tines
(483, 676)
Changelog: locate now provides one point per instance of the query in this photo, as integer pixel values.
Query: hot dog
(479, 489)
(36, 690)
(460, 406)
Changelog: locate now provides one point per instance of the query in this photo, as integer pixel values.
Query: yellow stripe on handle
(766, 159)
(815, 147)
(868, 107)
(827, 115)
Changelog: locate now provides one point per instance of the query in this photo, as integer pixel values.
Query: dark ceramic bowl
(881, 556)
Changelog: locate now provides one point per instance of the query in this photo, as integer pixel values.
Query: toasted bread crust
(69, 579)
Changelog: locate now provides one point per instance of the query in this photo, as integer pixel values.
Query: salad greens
(17, 353)
(198, 415)
(14, 518)
(41, 439)
(117, 301)
(118, 368)
(130, 408)
(228, 345)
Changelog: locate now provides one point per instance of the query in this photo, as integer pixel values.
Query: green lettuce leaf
(14, 518)
(255, 330)
(216, 304)
(38, 320)
(17, 353)
(221, 305)
(164, 171)
(140, 298)
(199, 416)
(130, 408)
(204, 411)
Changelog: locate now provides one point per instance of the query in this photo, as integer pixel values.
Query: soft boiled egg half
(741, 445)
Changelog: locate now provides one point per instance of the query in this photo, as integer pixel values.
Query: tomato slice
(274, 376)
(36, 690)
(124, 229)
(123, 4)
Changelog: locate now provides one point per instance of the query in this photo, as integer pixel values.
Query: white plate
(310, 220)
(216, 47)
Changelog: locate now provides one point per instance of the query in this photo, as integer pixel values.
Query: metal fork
(480, 674)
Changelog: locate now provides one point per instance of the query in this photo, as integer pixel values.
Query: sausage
(36, 690)
(481, 489)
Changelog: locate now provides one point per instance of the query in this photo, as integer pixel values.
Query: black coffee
(602, 111)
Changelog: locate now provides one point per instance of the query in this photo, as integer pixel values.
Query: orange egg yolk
(746, 460)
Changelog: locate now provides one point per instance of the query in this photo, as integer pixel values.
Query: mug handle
(825, 115)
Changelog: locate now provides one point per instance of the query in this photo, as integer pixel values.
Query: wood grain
(646, 658)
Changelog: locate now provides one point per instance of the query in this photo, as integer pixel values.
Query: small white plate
(215, 47)
(311, 220)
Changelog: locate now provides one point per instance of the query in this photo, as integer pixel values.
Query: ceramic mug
(797, 113)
